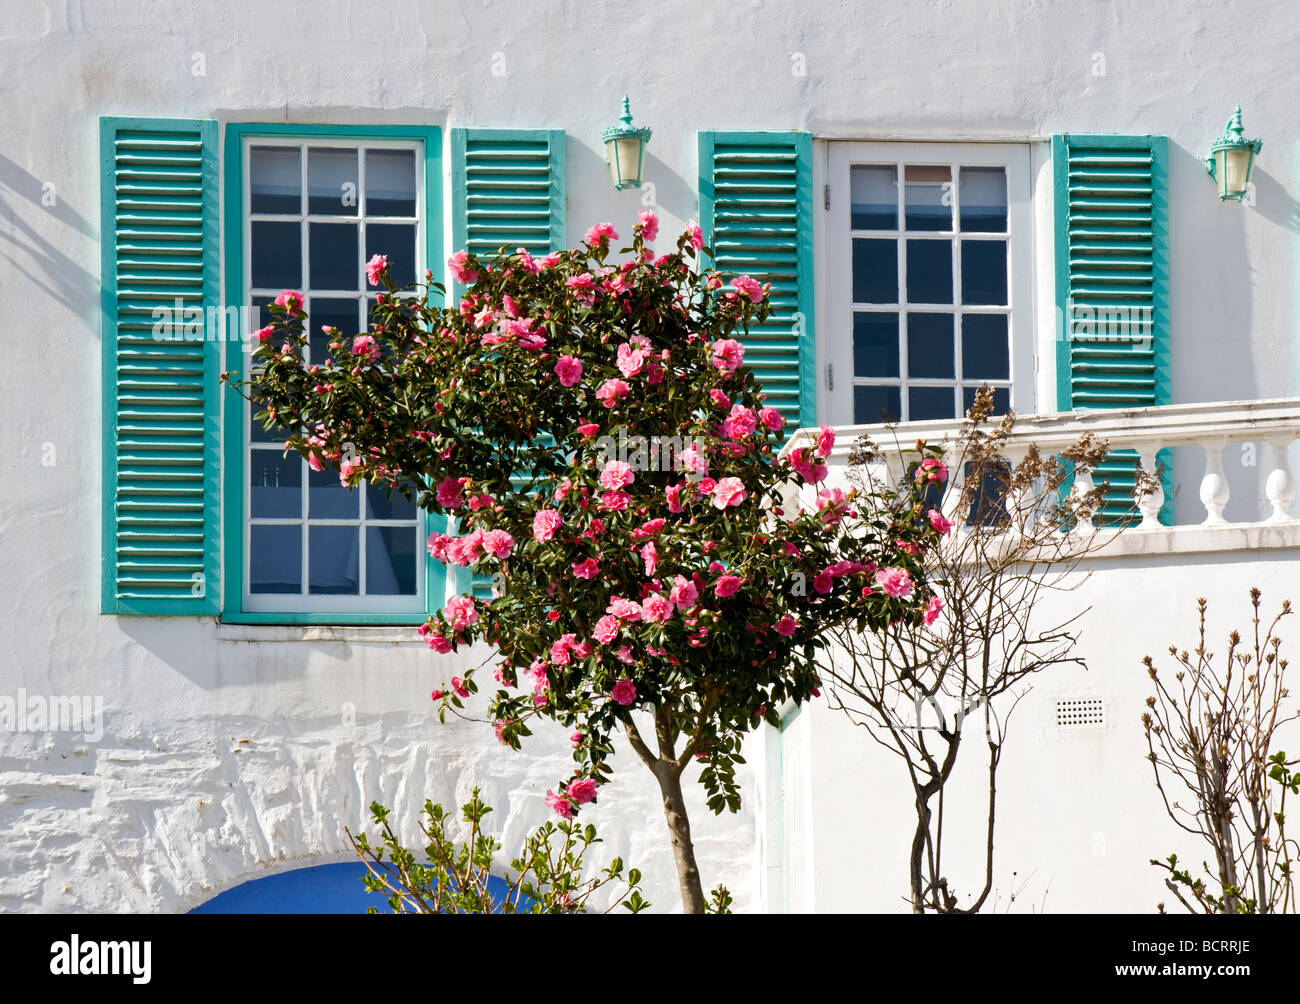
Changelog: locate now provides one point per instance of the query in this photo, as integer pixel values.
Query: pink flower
(459, 272)
(726, 586)
(624, 609)
(740, 423)
(460, 612)
(588, 569)
(289, 298)
(558, 804)
(588, 429)
(584, 288)
(365, 345)
(825, 441)
(823, 582)
(931, 470)
(526, 260)
(932, 610)
(545, 523)
(630, 361)
(437, 695)
(673, 493)
(611, 392)
(624, 692)
(746, 286)
(786, 625)
(728, 492)
(576, 739)
(728, 355)
(375, 268)
(449, 492)
(895, 582)
(346, 470)
(438, 643)
(582, 791)
(606, 629)
(719, 399)
(656, 609)
(694, 235)
(650, 555)
(615, 501)
(569, 370)
(458, 685)
(692, 461)
(649, 224)
(683, 593)
(939, 522)
(264, 334)
(616, 475)
(499, 543)
(436, 545)
(600, 232)
(772, 419)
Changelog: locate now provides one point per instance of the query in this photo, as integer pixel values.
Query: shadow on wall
(662, 190)
(36, 258)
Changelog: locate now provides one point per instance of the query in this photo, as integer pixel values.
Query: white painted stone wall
(117, 824)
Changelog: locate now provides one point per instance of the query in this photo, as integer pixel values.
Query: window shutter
(756, 213)
(508, 192)
(161, 457)
(1112, 252)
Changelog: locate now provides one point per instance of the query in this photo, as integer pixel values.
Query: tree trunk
(679, 829)
(917, 859)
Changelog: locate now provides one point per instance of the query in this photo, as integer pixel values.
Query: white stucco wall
(117, 824)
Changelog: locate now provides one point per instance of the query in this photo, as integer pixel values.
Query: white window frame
(836, 377)
(306, 602)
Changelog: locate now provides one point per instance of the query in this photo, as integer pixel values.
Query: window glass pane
(1001, 399)
(984, 272)
(275, 179)
(337, 312)
(275, 559)
(390, 560)
(333, 250)
(875, 270)
(927, 197)
(390, 182)
(397, 240)
(275, 482)
(875, 344)
(332, 181)
(985, 350)
(333, 560)
(929, 271)
(988, 505)
(328, 499)
(931, 402)
(276, 255)
(380, 507)
(873, 196)
(875, 404)
(930, 346)
(984, 199)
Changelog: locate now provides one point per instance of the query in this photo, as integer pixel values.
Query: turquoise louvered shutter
(756, 213)
(508, 192)
(1112, 252)
(161, 456)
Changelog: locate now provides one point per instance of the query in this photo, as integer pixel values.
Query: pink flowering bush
(665, 587)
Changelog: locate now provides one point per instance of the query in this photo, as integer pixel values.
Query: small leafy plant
(546, 876)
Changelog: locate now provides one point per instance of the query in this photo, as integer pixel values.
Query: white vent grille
(1080, 712)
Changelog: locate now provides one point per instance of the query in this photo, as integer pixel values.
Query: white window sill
(381, 634)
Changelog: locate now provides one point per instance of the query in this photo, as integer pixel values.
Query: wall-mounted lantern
(625, 147)
(1231, 158)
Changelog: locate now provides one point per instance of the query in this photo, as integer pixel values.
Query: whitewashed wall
(162, 811)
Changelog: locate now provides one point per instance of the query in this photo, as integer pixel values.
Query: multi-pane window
(315, 211)
(927, 241)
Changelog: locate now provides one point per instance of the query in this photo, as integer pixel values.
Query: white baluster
(1280, 487)
(952, 507)
(1083, 484)
(1214, 486)
(1150, 503)
(1015, 496)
